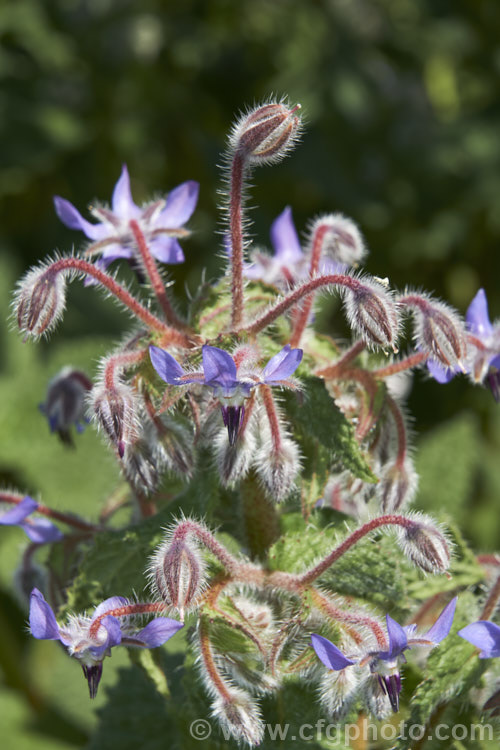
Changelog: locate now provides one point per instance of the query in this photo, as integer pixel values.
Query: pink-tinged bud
(240, 715)
(277, 467)
(397, 486)
(371, 312)
(439, 331)
(341, 239)
(177, 571)
(266, 134)
(141, 466)
(425, 544)
(40, 301)
(116, 412)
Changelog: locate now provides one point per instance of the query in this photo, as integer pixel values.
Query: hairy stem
(236, 233)
(76, 523)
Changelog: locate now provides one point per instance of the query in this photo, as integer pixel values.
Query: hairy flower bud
(234, 461)
(116, 412)
(177, 571)
(341, 239)
(140, 466)
(439, 331)
(424, 544)
(277, 467)
(40, 301)
(266, 134)
(173, 441)
(337, 691)
(371, 312)
(397, 485)
(240, 715)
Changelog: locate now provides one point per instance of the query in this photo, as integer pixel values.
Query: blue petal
(329, 654)
(157, 632)
(485, 635)
(42, 531)
(43, 623)
(398, 640)
(443, 624)
(74, 220)
(219, 367)
(181, 202)
(166, 250)
(282, 365)
(19, 512)
(166, 366)
(439, 373)
(121, 203)
(114, 636)
(478, 320)
(285, 239)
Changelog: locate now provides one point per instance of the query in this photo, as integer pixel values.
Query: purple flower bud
(65, 402)
(397, 486)
(239, 714)
(439, 331)
(40, 301)
(371, 312)
(266, 134)
(425, 545)
(116, 412)
(342, 240)
(177, 571)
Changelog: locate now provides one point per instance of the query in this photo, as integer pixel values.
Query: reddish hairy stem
(10, 497)
(209, 661)
(83, 266)
(323, 603)
(302, 291)
(492, 601)
(121, 361)
(126, 611)
(200, 532)
(334, 371)
(403, 364)
(367, 528)
(272, 416)
(303, 315)
(154, 276)
(236, 232)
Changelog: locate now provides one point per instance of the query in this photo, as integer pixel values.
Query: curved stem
(77, 523)
(126, 611)
(413, 360)
(89, 269)
(302, 291)
(323, 603)
(367, 528)
(303, 314)
(492, 601)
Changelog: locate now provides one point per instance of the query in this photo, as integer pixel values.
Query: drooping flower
(485, 635)
(385, 662)
(484, 348)
(220, 373)
(64, 404)
(161, 222)
(90, 649)
(39, 530)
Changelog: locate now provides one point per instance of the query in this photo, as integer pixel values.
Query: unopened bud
(174, 446)
(40, 301)
(140, 466)
(116, 412)
(337, 691)
(240, 715)
(266, 134)
(177, 571)
(439, 331)
(277, 467)
(341, 239)
(425, 545)
(397, 486)
(371, 312)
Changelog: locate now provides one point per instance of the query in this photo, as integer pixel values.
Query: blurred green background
(402, 108)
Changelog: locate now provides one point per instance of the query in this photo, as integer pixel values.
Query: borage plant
(268, 466)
